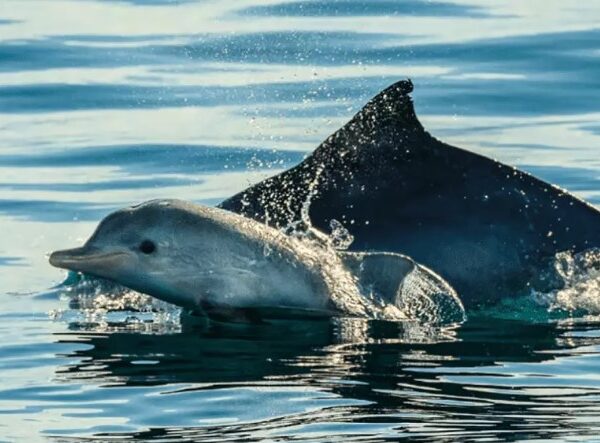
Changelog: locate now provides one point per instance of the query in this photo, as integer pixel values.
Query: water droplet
(340, 236)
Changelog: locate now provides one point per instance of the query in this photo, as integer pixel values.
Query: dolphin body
(485, 227)
(235, 268)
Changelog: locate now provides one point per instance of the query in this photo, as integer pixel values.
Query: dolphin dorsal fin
(386, 127)
(397, 279)
(379, 272)
(393, 103)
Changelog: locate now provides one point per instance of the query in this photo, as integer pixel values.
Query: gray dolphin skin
(229, 266)
(485, 227)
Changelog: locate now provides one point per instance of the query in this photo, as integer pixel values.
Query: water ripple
(108, 103)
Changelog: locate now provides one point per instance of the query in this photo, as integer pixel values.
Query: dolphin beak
(87, 259)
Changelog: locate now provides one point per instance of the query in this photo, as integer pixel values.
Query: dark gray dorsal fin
(393, 103)
(388, 120)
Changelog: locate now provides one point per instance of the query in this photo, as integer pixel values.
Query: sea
(107, 103)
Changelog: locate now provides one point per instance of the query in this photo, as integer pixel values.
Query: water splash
(577, 277)
(312, 192)
(340, 237)
(570, 291)
(301, 226)
(100, 305)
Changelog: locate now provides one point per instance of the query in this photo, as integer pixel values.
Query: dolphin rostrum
(226, 265)
(485, 227)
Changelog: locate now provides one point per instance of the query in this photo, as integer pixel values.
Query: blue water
(107, 103)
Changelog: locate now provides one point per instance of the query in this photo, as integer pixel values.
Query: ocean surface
(108, 103)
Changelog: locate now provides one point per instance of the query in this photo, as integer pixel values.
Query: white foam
(578, 279)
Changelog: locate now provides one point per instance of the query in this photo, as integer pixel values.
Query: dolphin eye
(147, 247)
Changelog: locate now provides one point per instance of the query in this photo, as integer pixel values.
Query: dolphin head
(169, 249)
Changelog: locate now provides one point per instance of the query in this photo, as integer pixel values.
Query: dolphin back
(485, 227)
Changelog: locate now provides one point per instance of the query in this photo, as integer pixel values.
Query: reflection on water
(108, 103)
(316, 381)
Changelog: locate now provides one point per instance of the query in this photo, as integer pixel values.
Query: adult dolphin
(486, 227)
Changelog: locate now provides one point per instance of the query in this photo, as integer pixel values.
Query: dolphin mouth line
(74, 258)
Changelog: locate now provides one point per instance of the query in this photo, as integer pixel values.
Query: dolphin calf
(485, 227)
(231, 267)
